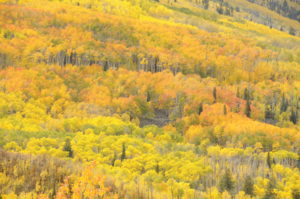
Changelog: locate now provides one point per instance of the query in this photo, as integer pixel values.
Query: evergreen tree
(68, 147)
(269, 114)
(200, 110)
(246, 94)
(294, 116)
(220, 9)
(215, 94)
(226, 182)
(157, 169)
(123, 156)
(114, 159)
(298, 162)
(284, 104)
(285, 7)
(225, 109)
(105, 66)
(248, 108)
(52, 194)
(248, 186)
(148, 96)
(269, 160)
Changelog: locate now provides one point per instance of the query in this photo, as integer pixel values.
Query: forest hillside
(149, 99)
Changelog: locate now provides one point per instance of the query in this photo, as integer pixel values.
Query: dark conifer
(248, 108)
(200, 109)
(248, 186)
(215, 94)
(68, 147)
(123, 156)
(269, 160)
(225, 109)
(226, 182)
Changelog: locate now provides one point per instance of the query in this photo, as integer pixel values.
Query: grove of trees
(141, 99)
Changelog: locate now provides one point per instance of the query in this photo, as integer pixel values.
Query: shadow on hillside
(161, 119)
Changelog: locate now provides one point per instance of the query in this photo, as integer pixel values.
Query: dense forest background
(149, 99)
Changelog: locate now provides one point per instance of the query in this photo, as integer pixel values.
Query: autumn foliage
(145, 99)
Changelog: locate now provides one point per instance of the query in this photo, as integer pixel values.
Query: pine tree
(285, 7)
(200, 110)
(52, 194)
(220, 9)
(248, 186)
(294, 116)
(68, 147)
(215, 94)
(284, 104)
(157, 169)
(226, 182)
(123, 156)
(269, 160)
(246, 94)
(148, 96)
(269, 114)
(105, 66)
(114, 159)
(298, 162)
(248, 108)
(225, 109)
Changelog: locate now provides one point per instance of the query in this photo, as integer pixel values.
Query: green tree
(246, 94)
(269, 160)
(215, 94)
(68, 147)
(123, 155)
(114, 159)
(157, 169)
(200, 109)
(225, 109)
(285, 7)
(248, 108)
(284, 104)
(294, 116)
(248, 186)
(226, 182)
(148, 96)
